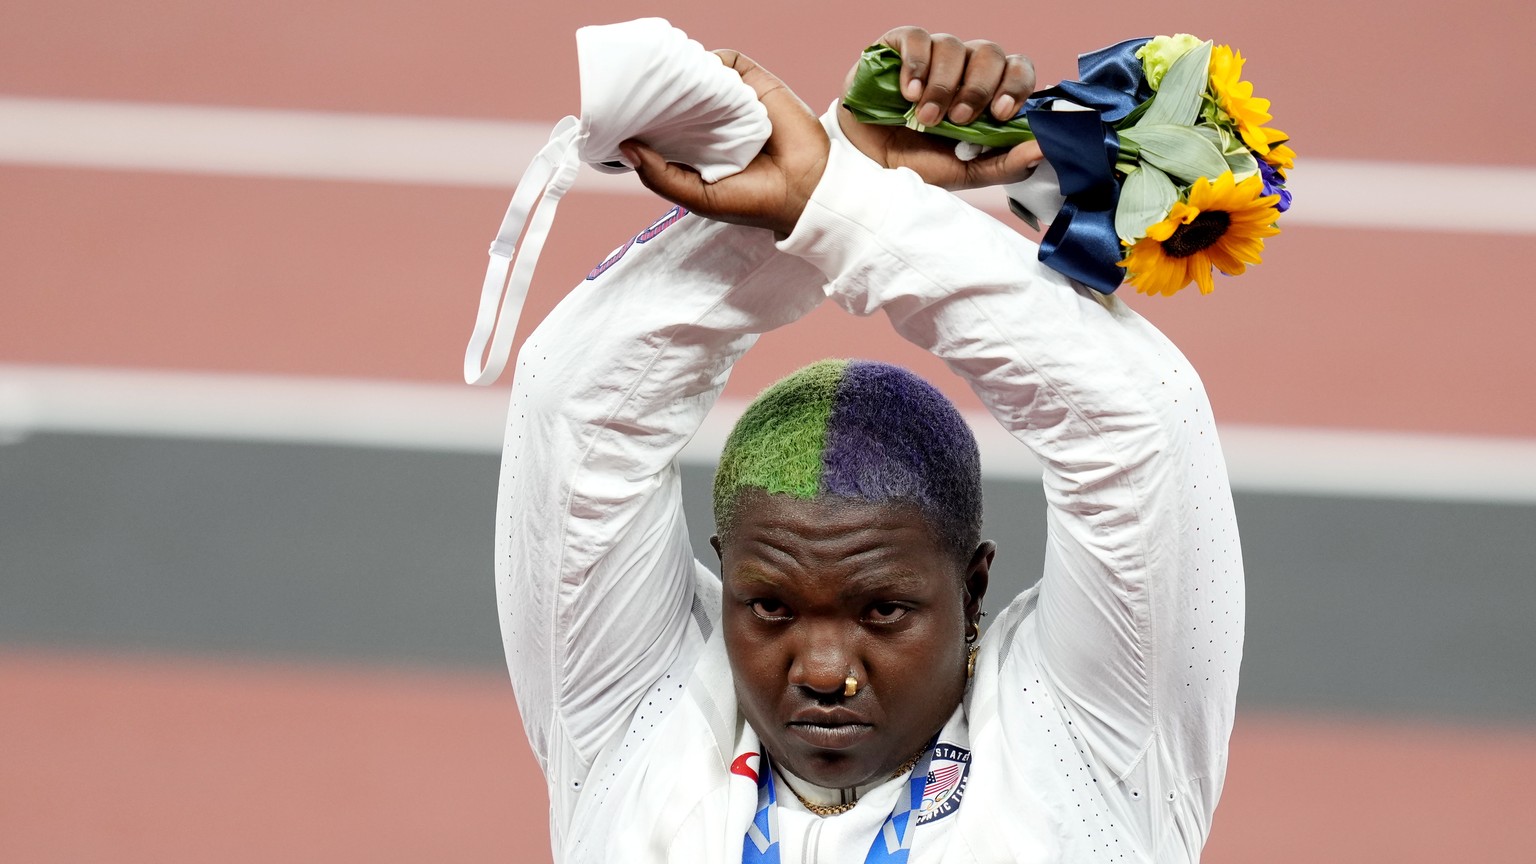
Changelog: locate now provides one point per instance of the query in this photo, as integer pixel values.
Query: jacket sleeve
(1138, 621)
(594, 570)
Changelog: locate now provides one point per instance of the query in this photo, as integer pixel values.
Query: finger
(946, 66)
(745, 66)
(984, 67)
(1018, 82)
(914, 46)
(795, 128)
(676, 183)
(769, 89)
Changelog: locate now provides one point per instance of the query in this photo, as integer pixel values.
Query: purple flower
(1274, 184)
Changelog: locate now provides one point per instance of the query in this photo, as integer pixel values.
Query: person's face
(816, 589)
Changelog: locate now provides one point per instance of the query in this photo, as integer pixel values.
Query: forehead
(829, 536)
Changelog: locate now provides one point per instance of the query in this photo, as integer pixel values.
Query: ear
(976, 575)
(714, 540)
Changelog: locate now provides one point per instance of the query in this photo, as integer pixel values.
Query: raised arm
(1135, 633)
(595, 577)
(1137, 630)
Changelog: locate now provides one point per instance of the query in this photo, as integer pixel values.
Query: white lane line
(248, 408)
(271, 143)
(485, 153)
(353, 413)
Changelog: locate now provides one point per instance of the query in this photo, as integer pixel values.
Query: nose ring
(850, 684)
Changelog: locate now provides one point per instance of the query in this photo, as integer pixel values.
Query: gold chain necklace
(825, 809)
(835, 809)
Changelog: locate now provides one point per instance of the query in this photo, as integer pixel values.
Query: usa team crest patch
(947, 775)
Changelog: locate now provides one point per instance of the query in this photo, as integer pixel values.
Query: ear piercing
(973, 632)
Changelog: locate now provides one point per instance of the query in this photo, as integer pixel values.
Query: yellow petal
(1225, 261)
(1203, 274)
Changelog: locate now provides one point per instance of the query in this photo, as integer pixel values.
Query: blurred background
(246, 502)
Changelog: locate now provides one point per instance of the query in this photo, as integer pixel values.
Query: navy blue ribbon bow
(1082, 147)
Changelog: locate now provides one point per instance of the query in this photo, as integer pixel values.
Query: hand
(946, 77)
(773, 189)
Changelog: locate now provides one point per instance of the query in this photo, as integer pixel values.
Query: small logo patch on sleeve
(642, 238)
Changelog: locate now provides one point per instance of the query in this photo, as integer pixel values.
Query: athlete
(830, 697)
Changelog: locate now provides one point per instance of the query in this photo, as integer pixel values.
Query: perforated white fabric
(1098, 718)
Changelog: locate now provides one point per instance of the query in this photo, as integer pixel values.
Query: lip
(837, 736)
(829, 715)
(830, 728)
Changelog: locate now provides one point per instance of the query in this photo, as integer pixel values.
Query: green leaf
(1214, 135)
(1242, 164)
(874, 96)
(1182, 151)
(1145, 199)
(1240, 160)
(1134, 116)
(1178, 99)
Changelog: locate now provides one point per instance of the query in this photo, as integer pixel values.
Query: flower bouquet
(1164, 166)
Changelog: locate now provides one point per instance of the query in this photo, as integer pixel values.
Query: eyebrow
(751, 575)
(898, 580)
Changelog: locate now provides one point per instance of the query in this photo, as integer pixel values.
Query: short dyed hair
(862, 430)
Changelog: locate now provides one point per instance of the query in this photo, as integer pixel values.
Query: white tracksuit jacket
(1096, 726)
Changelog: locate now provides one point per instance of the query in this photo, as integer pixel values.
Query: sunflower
(1222, 224)
(1235, 97)
(1282, 157)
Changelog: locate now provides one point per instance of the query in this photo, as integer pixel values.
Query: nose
(822, 663)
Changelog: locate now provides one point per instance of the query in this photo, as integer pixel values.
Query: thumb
(676, 183)
(1010, 166)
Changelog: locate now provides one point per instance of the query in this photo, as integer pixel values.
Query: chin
(855, 760)
(831, 770)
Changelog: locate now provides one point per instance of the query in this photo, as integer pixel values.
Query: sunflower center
(1202, 232)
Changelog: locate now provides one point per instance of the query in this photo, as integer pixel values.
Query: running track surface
(185, 761)
(185, 758)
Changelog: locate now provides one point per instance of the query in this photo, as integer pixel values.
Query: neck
(826, 796)
(820, 799)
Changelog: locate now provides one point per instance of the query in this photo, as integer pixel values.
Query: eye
(886, 613)
(769, 610)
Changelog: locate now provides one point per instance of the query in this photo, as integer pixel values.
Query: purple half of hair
(892, 435)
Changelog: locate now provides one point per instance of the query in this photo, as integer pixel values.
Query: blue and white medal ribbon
(892, 845)
(761, 845)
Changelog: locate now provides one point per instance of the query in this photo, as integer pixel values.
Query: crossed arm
(595, 577)
(950, 78)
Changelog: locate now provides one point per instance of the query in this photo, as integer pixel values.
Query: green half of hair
(777, 444)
